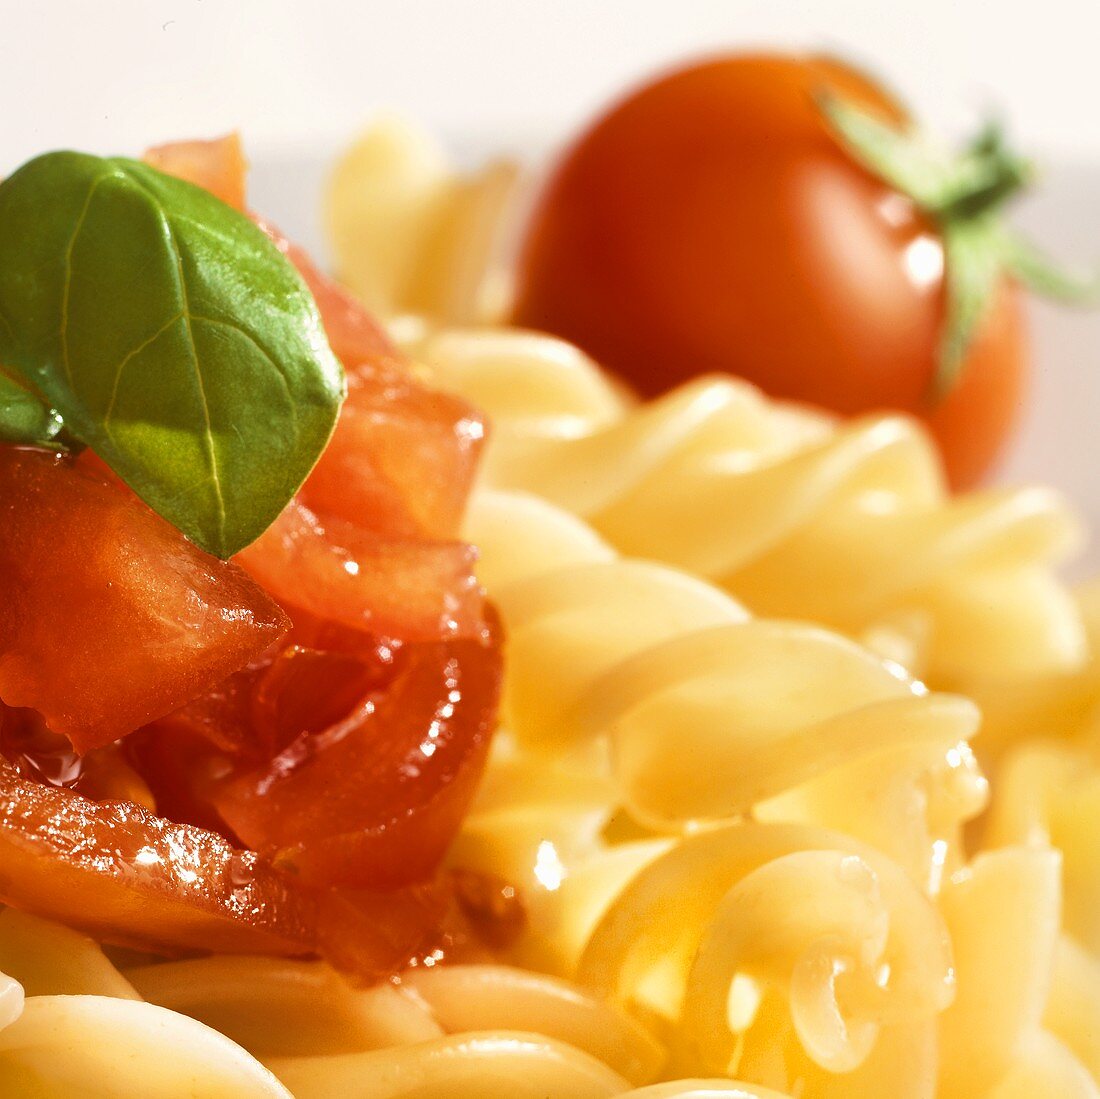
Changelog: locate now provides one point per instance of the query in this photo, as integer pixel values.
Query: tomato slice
(366, 789)
(375, 799)
(410, 589)
(125, 876)
(219, 165)
(122, 874)
(403, 458)
(111, 617)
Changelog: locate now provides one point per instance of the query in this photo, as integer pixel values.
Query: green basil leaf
(171, 335)
(23, 417)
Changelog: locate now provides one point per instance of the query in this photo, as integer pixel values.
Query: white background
(110, 75)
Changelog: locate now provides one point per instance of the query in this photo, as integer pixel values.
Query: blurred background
(117, 74)
(300, 78)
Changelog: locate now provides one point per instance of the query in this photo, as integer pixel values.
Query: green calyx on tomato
(962, 194)
(144, 318)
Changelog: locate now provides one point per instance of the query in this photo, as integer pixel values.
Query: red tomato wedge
(403, 458)
(111, 617)
(338, 571)
(364, 787)
(126, 876)
(219, 165)
(376, 798)
(122, 874)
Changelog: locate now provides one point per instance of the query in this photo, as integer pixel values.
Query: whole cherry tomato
(715, 221)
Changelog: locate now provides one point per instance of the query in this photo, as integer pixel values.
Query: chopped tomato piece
(376, 798)
(122, 874)
(403, 458)
(126, 876)
(111, 617)
(219, 165)
(367, 786)
(337, 571)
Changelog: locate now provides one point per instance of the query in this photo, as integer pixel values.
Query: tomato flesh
(403, 458)
(119, 872)
(403, 589)
(111, 617)
(126, 876)
(217, 165)
(376, 798)
(366, 789)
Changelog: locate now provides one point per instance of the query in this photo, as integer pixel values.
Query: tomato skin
(972, 423)
(412, 590)
(375, 799)
(362, 787)
(711, 222)
(218, 165)
(111, 617)
(125, 875)
(403, 457)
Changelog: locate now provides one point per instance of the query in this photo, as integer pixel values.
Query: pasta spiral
(845, 524)
(786, 717)
(78, 1025)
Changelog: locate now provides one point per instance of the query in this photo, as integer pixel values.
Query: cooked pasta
(752, 847)
(71, 1024)
(796, 515)
(787, 719)
(410, 233)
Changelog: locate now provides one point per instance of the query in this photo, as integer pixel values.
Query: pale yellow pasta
(1048, 795)
(48, 959)
(270, 1005)
(1073, 1007)
(1056, 706)
(497, 1065)
(737, 939)
(786, 718)
(477, 997)
(541, 824)
(703, 1089)
(101, 1046)
(1044, 1067)
(411, 233)
(799, 516)
(1003, 916)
